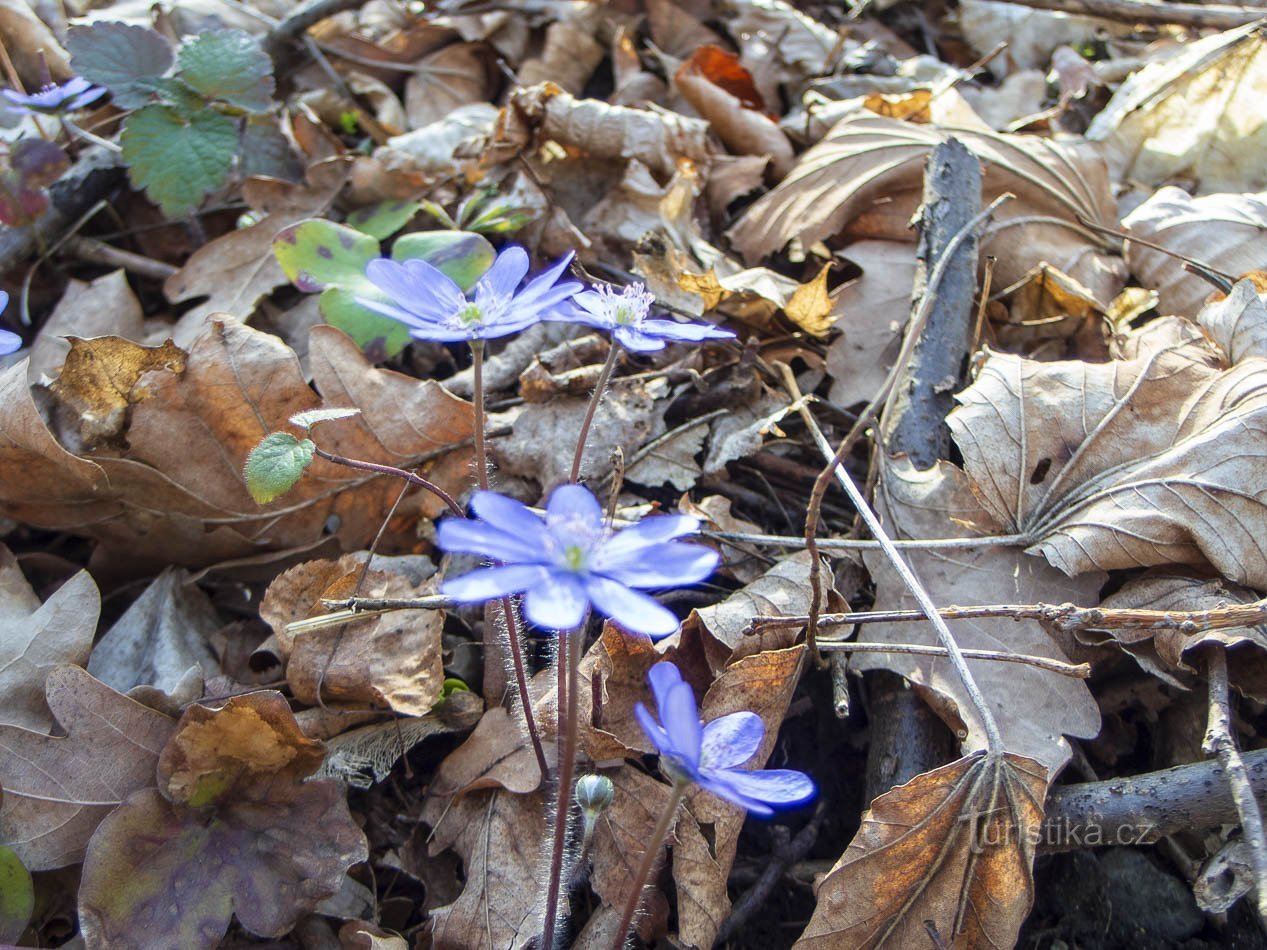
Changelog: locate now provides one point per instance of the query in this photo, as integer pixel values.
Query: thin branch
(411, 477)
(1076, 670)
(1199, 15)
(856, 544)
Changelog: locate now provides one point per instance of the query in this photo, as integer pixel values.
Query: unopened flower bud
(594, 793)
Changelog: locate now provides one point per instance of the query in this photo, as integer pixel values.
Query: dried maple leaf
(1152, 458)
(57, 789)
(37, 638)
(233, 828)
(949, 852)
(175, 494)
(1035, 708)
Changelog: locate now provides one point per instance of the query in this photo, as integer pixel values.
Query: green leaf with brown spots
(316, 254)
(462, 256)
(384, 219)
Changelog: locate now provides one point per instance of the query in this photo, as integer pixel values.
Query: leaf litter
(249, 705)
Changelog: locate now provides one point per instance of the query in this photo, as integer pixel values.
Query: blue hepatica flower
(9, 342)
(54, 98)
(625, 315)
(435, 308)
(710, 755)
(571, 560)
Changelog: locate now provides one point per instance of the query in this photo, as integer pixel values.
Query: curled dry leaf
(457, 75)
(57, 789)
(176, 494)
(620, 662)
(1034, 708)
(495, 755)
(1186, 117)
(866, 177)
(1225, 231)
(498, 836)
(950, 851)
(1153, 458)
(780, 44)
(782, 591)
(103, 307)
(1163, 652)
(37, 638)
(570, 56)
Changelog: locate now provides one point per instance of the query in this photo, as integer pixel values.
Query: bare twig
(1199, 15)
(859, 544)
(1077, 670)
(1219, 741)
(98, 252)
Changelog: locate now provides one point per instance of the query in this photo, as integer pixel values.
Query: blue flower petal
(464, 536)
(9, 342)
(716, 782)
(417, 324)
(573, 510)
(653, 530)
(659, 738)
(492, 582)
(777, 787)
(632, 610)
(437, 288)
(507, 271)
(672, 564)
(557, 602)
(684, 332)
(513, 517)
(634, 340)
(662, 676)
(680, 718)
(731, 740)
(4, 300)
(545, 281)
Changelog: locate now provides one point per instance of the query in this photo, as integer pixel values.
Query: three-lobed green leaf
(178, 159)
(230, 66)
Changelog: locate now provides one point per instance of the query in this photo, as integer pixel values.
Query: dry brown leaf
(810, 307)
(569, 58)
(1031, 35)
(1034, 708)
(32, 45)
(1191, 116)
(1163, 652)
(56, 790)
(1153, 458)
(1052, 311)
(236, 270)
(870, 313)
(714, 511)
(390, 661)
(177, 495)
(103, 307)
(743, 431)
(1226, 232)
(498, 836)
(780, 44)
(866, 176)
(496, 755)
(620, 660)
(621, 837)
(952, 848)
(457, 75)
(782, 591)
(37, 638)
(675, 31)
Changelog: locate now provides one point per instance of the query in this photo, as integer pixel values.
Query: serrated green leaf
(178, 160)
(275, 465)
(317, 254)
(17, 896)
(308, 419)
(461, 255)
(383, 219)
(379, 337)
(231, 66)
(121, 57)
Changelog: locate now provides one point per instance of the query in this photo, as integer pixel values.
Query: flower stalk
(568, 665)
(604, 377)
(648, 864)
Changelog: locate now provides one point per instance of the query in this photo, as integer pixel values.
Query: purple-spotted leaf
(233, 828)
(384, 219)
(462, 256)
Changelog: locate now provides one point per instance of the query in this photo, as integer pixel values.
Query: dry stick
(492, 646)
(994, 741)
(647, 865)
(1219, 740)
(1202, 16)
(569, 660)
(1078, 670)
(613, 357)
(858, 544)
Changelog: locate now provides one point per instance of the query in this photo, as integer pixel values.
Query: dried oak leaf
(866, 176)
(232, 829)
(620, 837)
(1034, 708)
(1152, 458)
(37, 638)
(58, 788)
(951, 851)
(1167, 652)
(498, 835)
(175, 494)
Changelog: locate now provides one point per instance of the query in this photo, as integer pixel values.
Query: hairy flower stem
(604, 377)
(412, 477)
(649, 856)
(568, 663)
(507, 608)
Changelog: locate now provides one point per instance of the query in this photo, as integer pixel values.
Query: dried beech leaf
(1226, 232)
(106, 306)
(869, 164)
(496, 755)
(57, 789)
(953, 848)
(570, 56)
(870, 313)
(457, 75)
(37, 638)
(1153, 458)
(1034, 708)
(782, 591)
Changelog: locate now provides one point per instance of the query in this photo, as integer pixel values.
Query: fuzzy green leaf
(122, 57)
(231, 66)
(275, 465)
(178, 160)
(309, 418)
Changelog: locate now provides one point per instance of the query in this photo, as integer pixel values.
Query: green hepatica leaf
(462, 255)
(123, 58)
(275, 465)
(176, 875)
(178, 160)
(379, 337)
(17, 896)
(317, 254)
(385, 218)
(229, 65)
